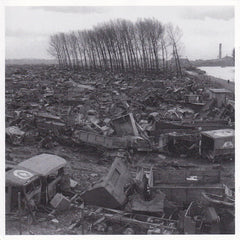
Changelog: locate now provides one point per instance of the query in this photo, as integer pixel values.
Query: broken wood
(120, 219)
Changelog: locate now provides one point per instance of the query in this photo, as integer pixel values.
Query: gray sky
(204, 27)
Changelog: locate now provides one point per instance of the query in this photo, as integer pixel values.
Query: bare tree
(174, 35)
(119, 45)
(55, 49)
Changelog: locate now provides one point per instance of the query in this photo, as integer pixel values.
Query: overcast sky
(28, 28)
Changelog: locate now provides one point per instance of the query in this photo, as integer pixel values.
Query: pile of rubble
(159, 200)
(64, 107)
(123, 115)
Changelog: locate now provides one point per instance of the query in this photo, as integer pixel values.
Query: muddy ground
(87, 167)
(85, 164)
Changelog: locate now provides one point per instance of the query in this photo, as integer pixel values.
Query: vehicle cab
(218, 144)
(19, 179)
(50, 168)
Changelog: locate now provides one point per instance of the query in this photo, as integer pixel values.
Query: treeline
(119, 45)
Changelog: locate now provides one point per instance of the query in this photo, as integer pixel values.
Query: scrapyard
(113, 153)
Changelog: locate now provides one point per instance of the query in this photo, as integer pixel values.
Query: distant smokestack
(220, 51)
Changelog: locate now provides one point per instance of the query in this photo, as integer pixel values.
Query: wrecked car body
(186, 185)
(125, 126)
(50, 168)
(218, 144)
(25, 182)
(111, 191)
(126, 142)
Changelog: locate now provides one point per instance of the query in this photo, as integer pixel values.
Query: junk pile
(157, 201)
(112, 111)
(177, 201)
(128, 117)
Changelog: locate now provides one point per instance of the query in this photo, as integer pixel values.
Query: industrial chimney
(220, 51)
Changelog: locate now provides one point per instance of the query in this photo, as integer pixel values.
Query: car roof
(44, 164)
(220, 133)
(19, 176)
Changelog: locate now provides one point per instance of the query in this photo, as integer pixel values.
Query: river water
(226, 73)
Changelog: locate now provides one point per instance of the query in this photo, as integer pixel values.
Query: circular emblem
(22, 174)
(223, 133)
(228, 144)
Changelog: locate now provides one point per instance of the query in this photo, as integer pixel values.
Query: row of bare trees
(119, 45)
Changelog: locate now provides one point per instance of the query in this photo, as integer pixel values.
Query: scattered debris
(60, 202)
(150, 137)
(199, 219)
(14, 135)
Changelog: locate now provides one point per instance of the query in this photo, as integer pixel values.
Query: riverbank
(213, 82)
(221, 83)
(226, 73)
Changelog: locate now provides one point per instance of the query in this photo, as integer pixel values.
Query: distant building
(220, 51)
(223, 62)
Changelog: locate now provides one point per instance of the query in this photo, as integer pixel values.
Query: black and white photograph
(119, 119)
